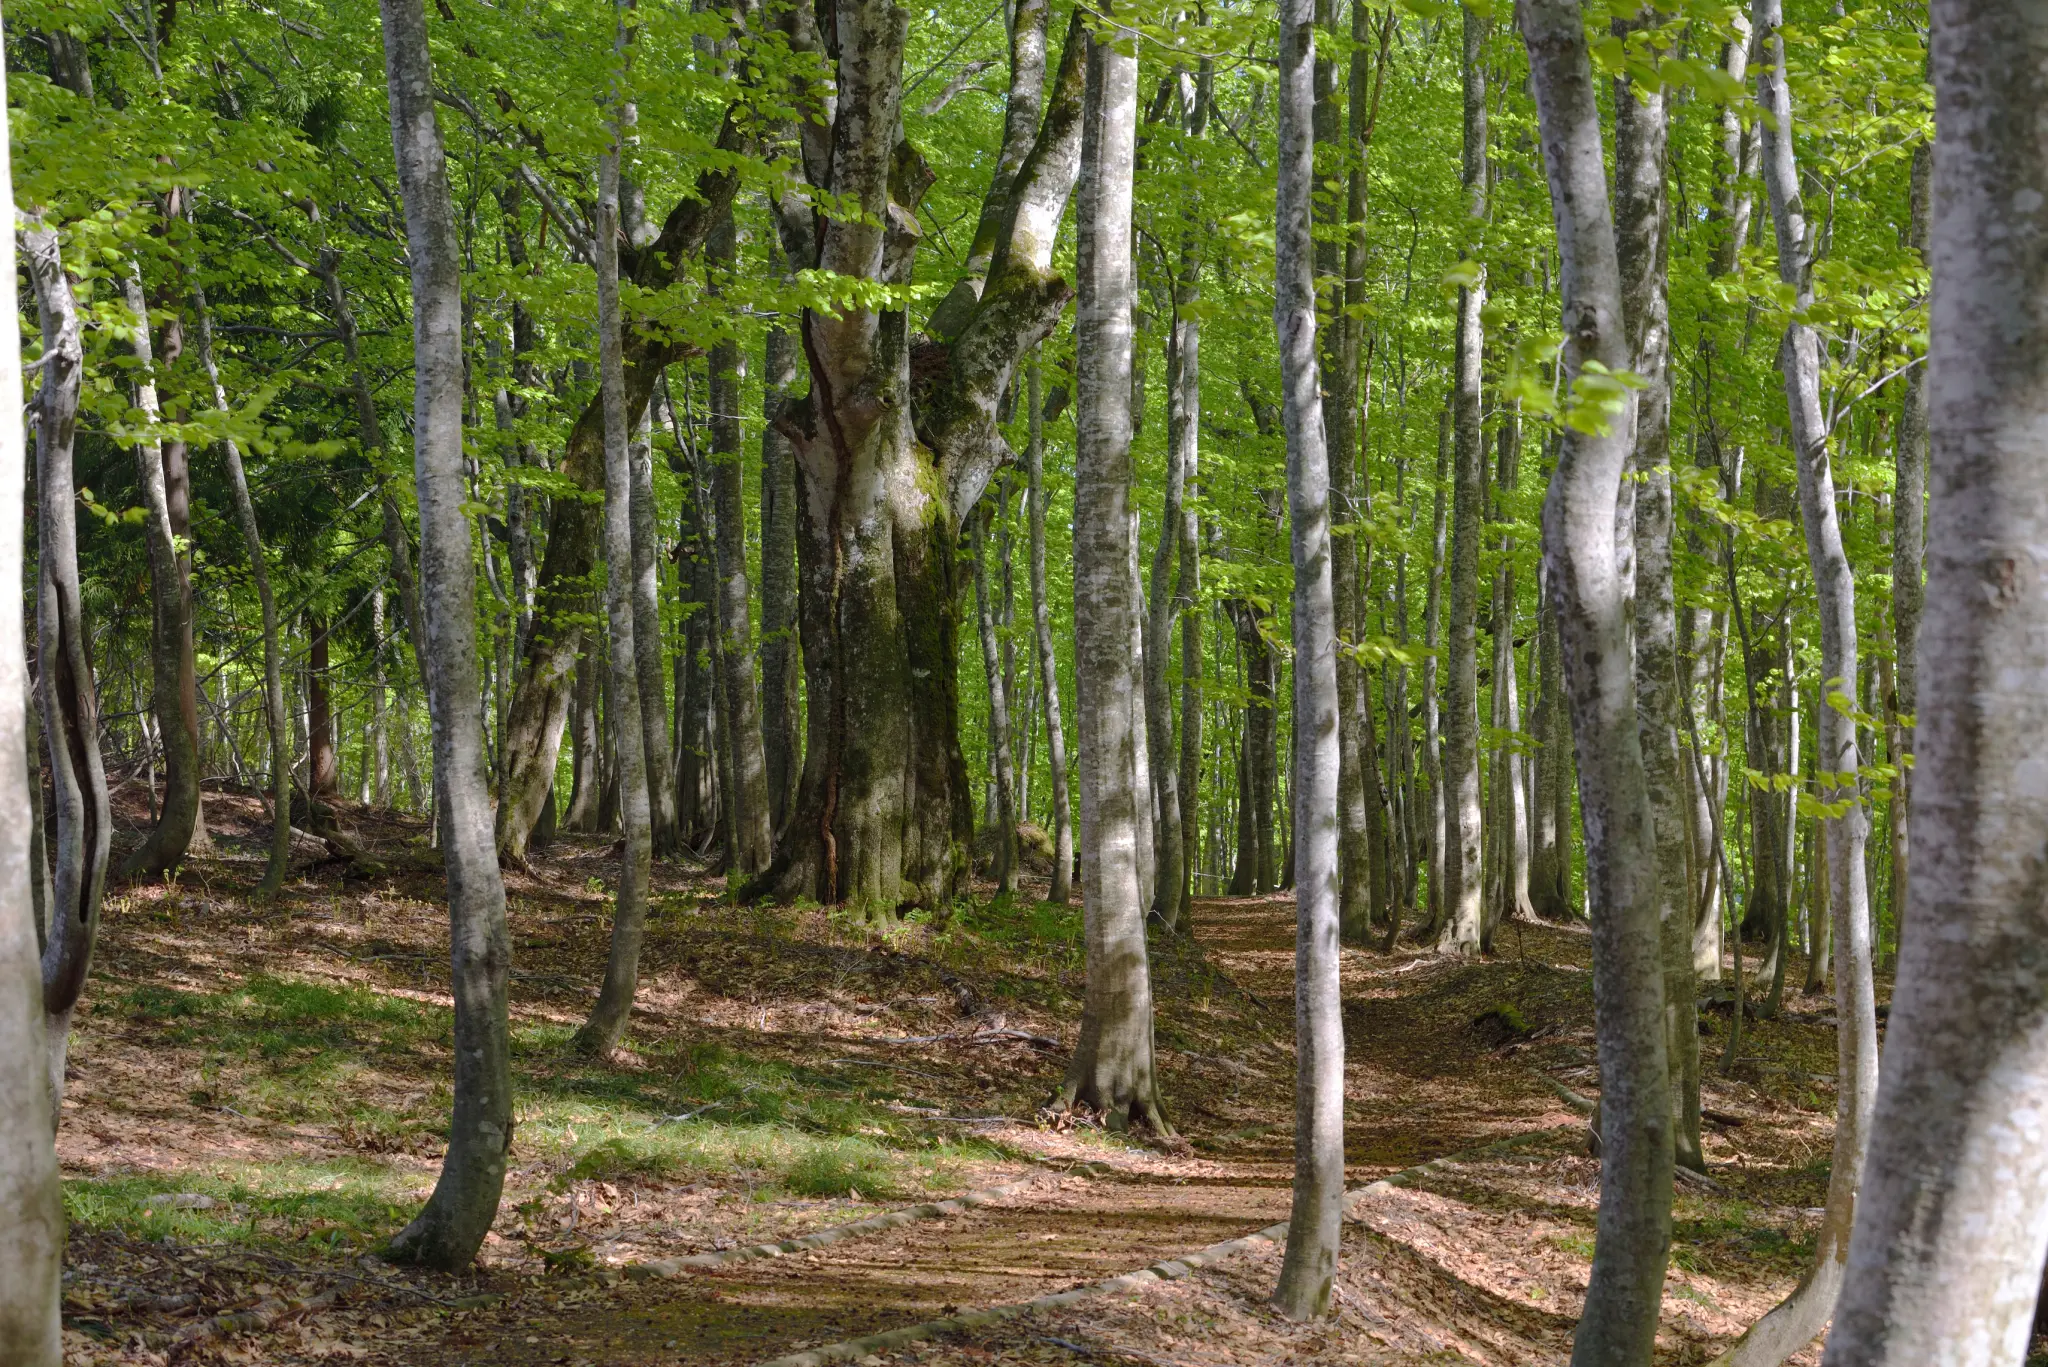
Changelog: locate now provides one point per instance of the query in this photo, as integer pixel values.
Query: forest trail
(258, 1093)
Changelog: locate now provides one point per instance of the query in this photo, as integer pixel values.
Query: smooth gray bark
(1315, 1223)
(1463, 907)
(608, 1017)
(1048, 662)
(781, 739)
(31, 1205)
(1642, 231)
(1169, 852)
(1438, 817)
(451, 1227)
(1112, 1068)
(1004, 817)
(1945, 1263)
(275, 722)
(1909, 534)
(1794, 1322)
(649, 668)
(749, 809)
(65, 694)
(1586, 580)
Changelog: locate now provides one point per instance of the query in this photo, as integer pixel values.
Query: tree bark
(66, 697)
(278, 864)
(450, 1229)
(1315, 1224)
(1432, 734)
(31, 1203)
(1169, 850)
(174, 701)
(323, 768)
(1048, 662)
(781, 742)
(1909, 528)
(648, 666)
(1794, 1322)
(1004, 817)
(1462, 823)
(1945, 1265)
(1587, 587)
(614, 1006)
(1642, 232)
(1112, 1068)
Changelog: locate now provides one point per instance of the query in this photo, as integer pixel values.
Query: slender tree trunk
(1048, 662)
(1462, 882)
(1315, 1226)
(449, 1230)
(278, 865)
(1585, 577)
(174, 702)
(1945, 1265)
(1794, 1322)
(1004, 816)
(1169, 852)
(781, 743)
(1909, 515)
(608, 1017)
(323, 769)
(1642, 228)
(1112, 1068)
(1550, 854)
(584, 780)
(31, 1203)
(649, 669)
(1432, 735)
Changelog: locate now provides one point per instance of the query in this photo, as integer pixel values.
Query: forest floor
(258, 1096)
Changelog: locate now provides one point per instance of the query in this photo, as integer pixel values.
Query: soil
(256, 1095)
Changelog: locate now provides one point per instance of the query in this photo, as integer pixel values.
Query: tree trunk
(1462, 884)
(609, 1015)
(1642, 228)
(1909, 513)
(1315, 1225)
(781, 743)
(1112, 1068)
(163, 473)
(1945, 1266)
(278, 864)
(66, 696)
(1550, 844)
(31, 1203)
(1794, 1322)
(1048, 662)
(1004, 817)
(448, 1231)
(1438, 821)
(323, 769)
(648, 666)
(749, 810)
(1582, 566)
(1169, 829)
(584, 777)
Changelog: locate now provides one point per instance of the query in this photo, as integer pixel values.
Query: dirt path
(258, 1094)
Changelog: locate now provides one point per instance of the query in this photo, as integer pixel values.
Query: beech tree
(1945, 1262)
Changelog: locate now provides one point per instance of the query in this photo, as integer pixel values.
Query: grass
(369, 1069)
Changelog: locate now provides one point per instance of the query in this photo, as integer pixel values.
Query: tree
(1793, 1323)
(1945, 1262)
(608, 1016)
(1581, 565)
(1315, 1224)
(31, 1205)
(1048, 661)
(1462, 890)
(451, 1227)
(1111, 1071)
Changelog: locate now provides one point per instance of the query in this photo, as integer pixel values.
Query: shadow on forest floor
(258, 1099)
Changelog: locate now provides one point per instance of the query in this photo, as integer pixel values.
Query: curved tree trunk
(1945, 1265)
(451, 1227)
(1112, 1068)
(1463, 908)
(1048, 662)
(163, 474)
(1315, 1224)
(614, 1005)
(31, 1203)
(1586, 579)
(64, 685)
